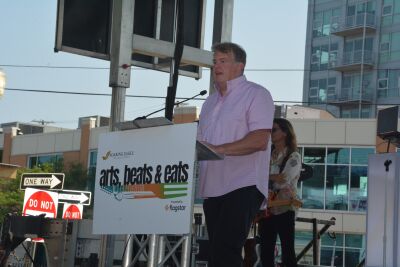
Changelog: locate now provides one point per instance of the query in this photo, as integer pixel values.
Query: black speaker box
(387, 123)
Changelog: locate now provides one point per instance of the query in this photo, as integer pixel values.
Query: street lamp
(2, 82)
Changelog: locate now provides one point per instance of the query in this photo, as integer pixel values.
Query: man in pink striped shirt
(236, 121)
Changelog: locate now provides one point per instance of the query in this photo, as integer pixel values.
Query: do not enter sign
(72, 211)
(38, 202)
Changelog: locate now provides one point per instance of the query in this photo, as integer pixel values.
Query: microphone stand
(177, 103)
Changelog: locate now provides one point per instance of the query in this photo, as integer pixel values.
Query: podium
(144, 185)
(383, 211)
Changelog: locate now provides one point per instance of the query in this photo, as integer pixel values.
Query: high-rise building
(352, 57)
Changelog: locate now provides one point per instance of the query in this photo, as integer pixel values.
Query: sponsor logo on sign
(118, 155)
(175, 206)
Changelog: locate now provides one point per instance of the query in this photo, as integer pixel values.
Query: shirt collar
(232, 84)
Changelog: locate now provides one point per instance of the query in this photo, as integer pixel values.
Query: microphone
(177, 103)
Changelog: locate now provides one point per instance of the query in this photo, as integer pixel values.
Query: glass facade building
(352, 56)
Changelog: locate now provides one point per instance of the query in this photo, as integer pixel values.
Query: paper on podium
(143, 123)
(204, 152)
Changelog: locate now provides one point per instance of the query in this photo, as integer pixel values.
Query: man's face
(225, 68)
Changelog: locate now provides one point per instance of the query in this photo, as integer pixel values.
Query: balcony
(353, 61)
(351, 96)
(354, 25)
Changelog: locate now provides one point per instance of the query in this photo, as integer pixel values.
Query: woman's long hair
(287, 128)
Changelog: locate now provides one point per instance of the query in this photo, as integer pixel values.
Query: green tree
(76, 177)
(11, 197)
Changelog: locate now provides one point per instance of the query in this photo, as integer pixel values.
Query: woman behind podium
(285, 167)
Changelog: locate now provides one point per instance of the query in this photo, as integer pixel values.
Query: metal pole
(120, 71)
(362, 65)
(117, 106)
(161, 248)
(153, 247)
(107, 242)
(315, 242)
(172, 64)
(186, 249)
(106, 250)
(222, 27)
(128, 250)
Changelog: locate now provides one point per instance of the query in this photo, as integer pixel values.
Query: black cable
(388, 145)
(139, 68)
(196, 98)
(93, 94)
(179, 44)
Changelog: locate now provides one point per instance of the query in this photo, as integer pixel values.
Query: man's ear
(242, 67)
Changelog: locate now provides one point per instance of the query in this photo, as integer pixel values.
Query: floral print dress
(286, 190)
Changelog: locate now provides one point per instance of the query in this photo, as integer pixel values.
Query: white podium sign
(144, 181)
(383, 211)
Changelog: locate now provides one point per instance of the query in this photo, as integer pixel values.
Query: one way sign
(74, 197)
(52, 181)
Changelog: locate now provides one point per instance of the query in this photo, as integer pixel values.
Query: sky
(271, 31)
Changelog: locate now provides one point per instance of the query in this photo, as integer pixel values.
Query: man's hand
(218, 149)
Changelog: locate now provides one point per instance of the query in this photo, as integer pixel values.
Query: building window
(332, 89)
(351, 87)
(325, 21)
(324, 56)
(387, 10)
(314, 92)
(358, 188)
(359, 156)
(338, 155)
(92, 170)
(390, 13)
(354, 53)
(339, 180)
(322, 90)
(336, 192)
(389, 49)
(360, 12)
(92, 162)
(354, 112)
(384, 48)
(388, 83)
(348, 248)
(312, 191)
(55, 160)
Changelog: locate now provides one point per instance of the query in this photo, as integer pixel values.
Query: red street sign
(37, 202)
(72, 211)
